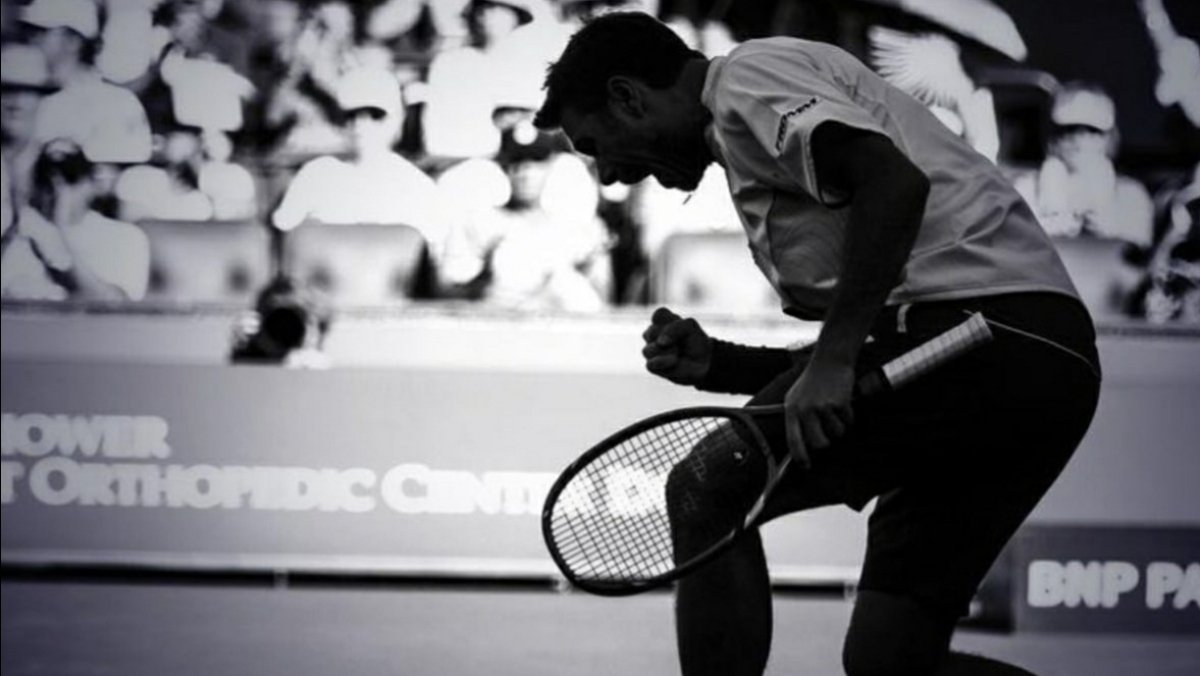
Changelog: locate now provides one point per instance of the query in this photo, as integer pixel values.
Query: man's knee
(711, 489)
(693, 493)
(892, 635)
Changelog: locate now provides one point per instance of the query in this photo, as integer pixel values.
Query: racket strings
(627, 517)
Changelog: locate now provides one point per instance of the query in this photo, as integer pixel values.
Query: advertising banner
(409, 471)
(429, 448)
(1107, 579)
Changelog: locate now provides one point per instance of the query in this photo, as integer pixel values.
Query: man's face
(528, 178)
(663, 146)
(60, 45)
(372, 129)
(18, 113)
(190, 24)
(279, 20)
(497, 21)
(1082, 147)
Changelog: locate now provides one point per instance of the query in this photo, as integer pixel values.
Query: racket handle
(925, 357)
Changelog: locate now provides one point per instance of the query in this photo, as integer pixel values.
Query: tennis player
(866, 213)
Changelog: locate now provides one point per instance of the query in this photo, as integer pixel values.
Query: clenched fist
(676, 348)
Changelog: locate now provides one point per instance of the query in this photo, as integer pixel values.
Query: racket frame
(951, 343)
(625, 587)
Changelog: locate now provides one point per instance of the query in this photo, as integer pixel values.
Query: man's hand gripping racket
(660, 498)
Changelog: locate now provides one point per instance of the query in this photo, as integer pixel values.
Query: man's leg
(723, 614)
(723, 610)
(1003, 422)
(891, 635)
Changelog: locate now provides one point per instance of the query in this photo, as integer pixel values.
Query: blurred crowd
(290, 115)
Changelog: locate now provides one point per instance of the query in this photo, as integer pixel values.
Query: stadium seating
(714, 271)
(710, 271)
(359, 265)
(206, 262)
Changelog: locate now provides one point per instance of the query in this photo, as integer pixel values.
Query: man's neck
(691, 86)
(66, 74)
(695, 74)
(372, 156)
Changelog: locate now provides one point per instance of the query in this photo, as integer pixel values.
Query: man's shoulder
(323, 168)
(115, 230)
(765, 65)
(406, 170)
(93, 90)
(806, 52)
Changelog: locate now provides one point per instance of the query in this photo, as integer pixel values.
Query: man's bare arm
(887, 202)
(887, 196)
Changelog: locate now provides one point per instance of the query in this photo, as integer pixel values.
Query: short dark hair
(632, 44)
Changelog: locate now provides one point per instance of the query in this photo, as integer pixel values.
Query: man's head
(188, 20)
(1084, 124)
(67, 31)
(62, 176)
(626, 91)
(525, 154)
(491, 20)
(26, 80)
(373, 109)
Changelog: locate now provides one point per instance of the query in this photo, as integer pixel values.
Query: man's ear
(625, 99)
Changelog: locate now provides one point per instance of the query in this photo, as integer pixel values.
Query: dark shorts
(958, 458)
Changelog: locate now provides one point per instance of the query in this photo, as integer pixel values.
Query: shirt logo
(794, 112)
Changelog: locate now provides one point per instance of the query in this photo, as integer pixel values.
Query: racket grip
(925, 357)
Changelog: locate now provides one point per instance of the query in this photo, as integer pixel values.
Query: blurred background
(293, 290)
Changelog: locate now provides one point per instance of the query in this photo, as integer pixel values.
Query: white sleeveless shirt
(767, 97)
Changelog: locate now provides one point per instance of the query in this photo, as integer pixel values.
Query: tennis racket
(615, 519)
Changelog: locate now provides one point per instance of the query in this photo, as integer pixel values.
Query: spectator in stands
(546, 248)
(1172, 288)
(472, 191)
(524, 52)
(169, 189)
(115, 128)
(191, 84)
(197, 29)
(26, 81)
(271, 58)
(376, 185)
(192, 97)
(301, 105)
(60, 248)
(129, 45)
(1077, 191)
(414, 29)
(228, 185)
(464, 84)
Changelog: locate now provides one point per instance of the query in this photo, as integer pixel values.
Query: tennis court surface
(101, 627)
